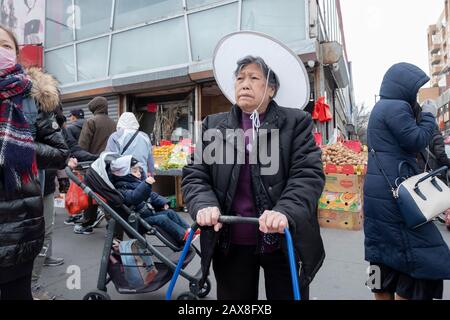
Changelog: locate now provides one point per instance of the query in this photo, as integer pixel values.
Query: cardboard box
(343, 183)
(347, 169)
(341, 220)
(338, 201)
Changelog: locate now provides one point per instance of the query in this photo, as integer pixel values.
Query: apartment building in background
(439, 64)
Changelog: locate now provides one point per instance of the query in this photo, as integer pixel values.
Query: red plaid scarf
(17, 148)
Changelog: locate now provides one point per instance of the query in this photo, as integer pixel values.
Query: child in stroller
(129, 179)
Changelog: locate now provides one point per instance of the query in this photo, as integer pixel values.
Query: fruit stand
(170, 159)
(341, 204)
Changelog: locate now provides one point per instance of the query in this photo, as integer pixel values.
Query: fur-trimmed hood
(45, 90)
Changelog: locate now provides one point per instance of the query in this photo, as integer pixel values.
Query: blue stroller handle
(237, 220)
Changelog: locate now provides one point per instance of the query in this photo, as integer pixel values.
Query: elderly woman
(285, 198)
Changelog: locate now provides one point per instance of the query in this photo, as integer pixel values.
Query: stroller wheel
(97, 295)
(187, 296)
(203, 293)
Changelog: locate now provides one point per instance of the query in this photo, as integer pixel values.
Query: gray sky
(380, 33)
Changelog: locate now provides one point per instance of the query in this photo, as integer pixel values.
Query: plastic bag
(76, 199)
(322, 111)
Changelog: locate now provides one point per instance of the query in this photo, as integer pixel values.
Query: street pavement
(342, 276)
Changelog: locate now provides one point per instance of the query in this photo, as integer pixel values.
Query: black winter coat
(21, 214)
(51, 147)
(294, 189)
(75, 150)
(437, 158)
(74, 129)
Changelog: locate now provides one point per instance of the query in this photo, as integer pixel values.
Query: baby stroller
(98, 185)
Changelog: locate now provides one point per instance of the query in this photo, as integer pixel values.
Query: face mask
(8, 58)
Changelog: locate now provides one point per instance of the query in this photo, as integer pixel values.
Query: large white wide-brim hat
(294, 89)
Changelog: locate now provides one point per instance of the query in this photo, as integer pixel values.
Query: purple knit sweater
(243, 203)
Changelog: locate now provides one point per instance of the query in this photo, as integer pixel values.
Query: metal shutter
(113, 107)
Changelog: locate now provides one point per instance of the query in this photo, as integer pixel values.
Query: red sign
(353, 145)
(331, 168)
(318, 138)
(348, 169)
(347, 184)
(152, 107)
(165, 143)
(31, 56)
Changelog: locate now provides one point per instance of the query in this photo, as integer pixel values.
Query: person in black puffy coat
(434, 156)
(412, 263)
(287, 196)
(34, 144)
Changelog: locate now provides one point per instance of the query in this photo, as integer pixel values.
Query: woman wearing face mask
(30, 142)
(284, 197)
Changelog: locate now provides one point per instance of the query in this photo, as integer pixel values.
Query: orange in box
(343, 183)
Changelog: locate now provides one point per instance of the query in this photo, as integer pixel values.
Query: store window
(193, 4)
(168, 121)
(129, 13)
(59, 22)
(158, 45)
(94, 17)
(208, 27)
(60, 63)
(92, 59)
(287, 23)
(173, 122)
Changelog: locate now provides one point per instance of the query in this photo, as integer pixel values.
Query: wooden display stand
(177, 175)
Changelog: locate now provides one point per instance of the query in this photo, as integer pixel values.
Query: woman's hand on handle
(73, 163)
(209, 217)
(273, 222)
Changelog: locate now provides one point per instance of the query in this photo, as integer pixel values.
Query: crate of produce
(340, 201)
(349, 183)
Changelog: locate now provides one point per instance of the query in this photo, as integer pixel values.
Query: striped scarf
(17, 149)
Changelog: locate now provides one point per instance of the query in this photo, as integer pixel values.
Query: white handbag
(420, 198)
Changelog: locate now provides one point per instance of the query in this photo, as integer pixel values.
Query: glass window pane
(286, 23)
(60, 63)
(59, 22)
(160, 45)
(131, 12)
(92, 59)
(208, 27)
(192, 4)
(95, 17)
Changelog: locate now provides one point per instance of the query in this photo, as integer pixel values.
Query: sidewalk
(341, 278)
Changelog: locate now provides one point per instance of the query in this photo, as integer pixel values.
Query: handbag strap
(130, 142)
(374, 154)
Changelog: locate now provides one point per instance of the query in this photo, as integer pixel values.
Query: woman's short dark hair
(274, 83)
(12, 36)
